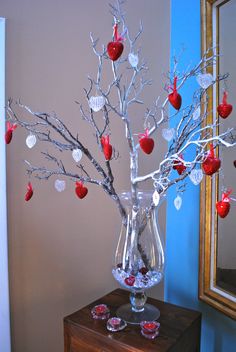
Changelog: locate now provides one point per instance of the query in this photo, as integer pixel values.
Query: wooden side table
(179, 330)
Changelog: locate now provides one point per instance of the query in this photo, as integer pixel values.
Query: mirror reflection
(226, 241)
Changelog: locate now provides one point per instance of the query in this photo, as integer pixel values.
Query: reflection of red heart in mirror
(224, 109)
(234, 163)
(211, 165)
(223, 208)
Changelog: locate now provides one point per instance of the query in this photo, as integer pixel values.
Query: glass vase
(139, 257)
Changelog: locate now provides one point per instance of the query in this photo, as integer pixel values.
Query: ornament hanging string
(225, 195)
(174, 88)
(116, 35)
(144, 135)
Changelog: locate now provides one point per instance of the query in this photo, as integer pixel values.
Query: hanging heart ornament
(168, 134)
(77, 155)
(60, 185)
(31, 141)
(133, 60)
(205, 80)
(197, 113)
(96, 103)
(196, 176)
(178, 202)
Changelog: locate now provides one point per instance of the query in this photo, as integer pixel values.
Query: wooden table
(179, 330)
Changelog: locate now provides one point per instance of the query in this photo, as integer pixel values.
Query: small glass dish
(100, 311)
(150, 329)
(116, 324)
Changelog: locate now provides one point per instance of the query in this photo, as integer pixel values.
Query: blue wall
(182, 247)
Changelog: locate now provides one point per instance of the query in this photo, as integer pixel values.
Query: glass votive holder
(150, 329)
(100, 311)
(116, 324)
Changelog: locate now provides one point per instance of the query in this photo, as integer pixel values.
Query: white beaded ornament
(133, 60)
(168, 134)
(178, 202)
(77, 155)
(196, 176)
(197, 113)
(60, 185)
(96, 103)
(205, 80)
(31, 141)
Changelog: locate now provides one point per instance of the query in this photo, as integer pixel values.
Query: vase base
(149, 313)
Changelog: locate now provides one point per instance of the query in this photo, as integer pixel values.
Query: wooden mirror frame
(208, 291)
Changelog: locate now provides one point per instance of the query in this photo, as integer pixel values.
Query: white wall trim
(5, 342)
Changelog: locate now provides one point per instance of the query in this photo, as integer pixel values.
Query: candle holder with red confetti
(100, 311)
(150, 329)
(116, 324)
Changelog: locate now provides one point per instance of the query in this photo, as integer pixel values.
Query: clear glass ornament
(139, 257)
(196, 176)
(96, 103)
(205, 80)
(133, 60)
(197, 113)
(178, 202)
(31, 140)
(60, 185)
(77, 155)
(168, 134)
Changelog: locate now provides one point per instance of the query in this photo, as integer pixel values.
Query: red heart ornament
(223, 208)
(9, 132)
(224, 109)
(211, 164)
(29, 192)
(114, 50)
(146, 143)
(175, 98)
(235, 163)
(179, 166)
(8, 136)
(107, 147)
(80, 190)
(130, 280)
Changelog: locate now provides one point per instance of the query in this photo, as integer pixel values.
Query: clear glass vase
(139, 257)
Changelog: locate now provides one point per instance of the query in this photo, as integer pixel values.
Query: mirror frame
(208, 291)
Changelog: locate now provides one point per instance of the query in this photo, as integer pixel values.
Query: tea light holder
(116, 324)
(150, 329)
(100, 311)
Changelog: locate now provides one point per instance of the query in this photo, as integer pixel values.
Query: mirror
(217, 275)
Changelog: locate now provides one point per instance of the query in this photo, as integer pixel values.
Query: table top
(174, 322)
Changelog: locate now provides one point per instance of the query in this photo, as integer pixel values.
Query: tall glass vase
(139, 257)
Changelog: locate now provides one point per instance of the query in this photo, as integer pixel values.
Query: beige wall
(61, 248)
